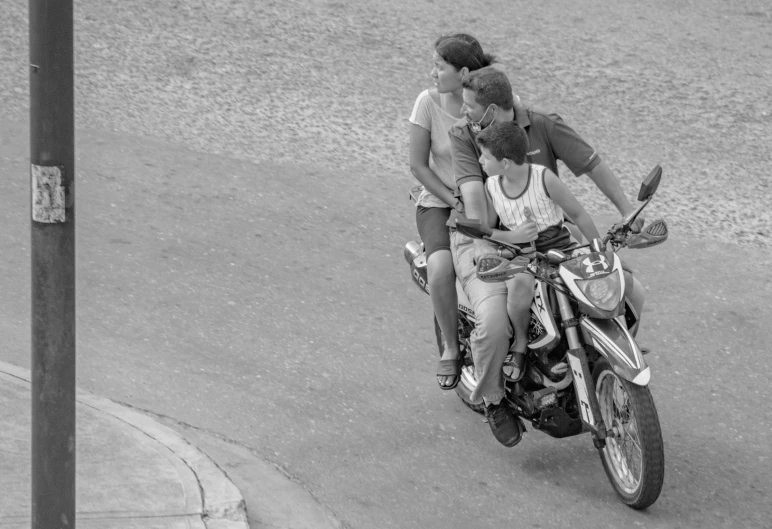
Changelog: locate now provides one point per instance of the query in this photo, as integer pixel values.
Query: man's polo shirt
(549, 138)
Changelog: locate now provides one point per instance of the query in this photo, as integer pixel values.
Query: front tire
(634, 458)
(468, 382)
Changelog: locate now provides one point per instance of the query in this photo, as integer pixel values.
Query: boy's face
(489, 163)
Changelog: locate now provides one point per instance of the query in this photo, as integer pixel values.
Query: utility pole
(52, 172)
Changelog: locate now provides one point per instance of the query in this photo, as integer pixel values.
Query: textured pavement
(131, 471)
(331, 83)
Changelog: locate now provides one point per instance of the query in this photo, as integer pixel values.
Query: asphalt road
(281, 316)
(261, 295)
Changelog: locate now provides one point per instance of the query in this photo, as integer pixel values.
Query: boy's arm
(481, 201)
(523, 234)
(563, 197)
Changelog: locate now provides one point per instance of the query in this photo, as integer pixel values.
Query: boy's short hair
(505, 140)
(490, 86)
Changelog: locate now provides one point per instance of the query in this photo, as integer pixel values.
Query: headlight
(603, 292)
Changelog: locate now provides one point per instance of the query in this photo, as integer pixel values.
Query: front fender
(612, 339)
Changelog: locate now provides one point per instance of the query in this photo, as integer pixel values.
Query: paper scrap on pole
(47, 194)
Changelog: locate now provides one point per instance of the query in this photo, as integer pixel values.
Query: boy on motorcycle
(529, 200)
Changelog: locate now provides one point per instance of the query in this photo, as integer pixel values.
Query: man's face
(489, 163)
(471, 108)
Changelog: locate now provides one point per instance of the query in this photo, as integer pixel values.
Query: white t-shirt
(427, 113)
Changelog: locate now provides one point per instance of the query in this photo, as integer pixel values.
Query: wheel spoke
(624, 452)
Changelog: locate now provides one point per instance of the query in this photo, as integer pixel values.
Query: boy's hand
(530, 231)
(526, 232)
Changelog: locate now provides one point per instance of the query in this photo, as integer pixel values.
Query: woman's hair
(461, 50)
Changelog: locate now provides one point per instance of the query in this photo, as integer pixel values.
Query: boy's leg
(519, 300)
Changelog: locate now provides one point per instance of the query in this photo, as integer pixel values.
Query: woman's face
(446, 77)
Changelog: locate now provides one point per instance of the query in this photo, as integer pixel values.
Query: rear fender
(612, 339)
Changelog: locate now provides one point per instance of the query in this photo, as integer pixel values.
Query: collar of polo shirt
(521, 116)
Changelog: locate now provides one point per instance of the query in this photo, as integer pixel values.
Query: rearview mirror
(650, 184)
(473, 228)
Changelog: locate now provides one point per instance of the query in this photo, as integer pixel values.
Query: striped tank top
(511, 210)
(545, 212)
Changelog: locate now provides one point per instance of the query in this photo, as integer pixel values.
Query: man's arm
(609, 185)
(469, 175)
(475, 201)
(577, 154)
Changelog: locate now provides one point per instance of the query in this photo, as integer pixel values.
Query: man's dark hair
(461, 50)
(505, 140)
(491, 87)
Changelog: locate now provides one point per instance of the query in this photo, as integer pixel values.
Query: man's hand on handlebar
(637, 224)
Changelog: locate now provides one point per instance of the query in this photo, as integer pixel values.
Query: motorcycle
(584, 370)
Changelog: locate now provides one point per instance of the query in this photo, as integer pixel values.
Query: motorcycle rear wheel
(468, 382)
(634, 458)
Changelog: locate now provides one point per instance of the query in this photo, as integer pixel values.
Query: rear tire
(634, 459)
(467, 383)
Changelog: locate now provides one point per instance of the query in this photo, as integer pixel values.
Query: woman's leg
(441, 276)
(442, 288)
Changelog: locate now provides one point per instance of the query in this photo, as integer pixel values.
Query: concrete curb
(221, 507)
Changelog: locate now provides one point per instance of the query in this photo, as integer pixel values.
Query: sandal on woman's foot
(449, 368)
(517, 362)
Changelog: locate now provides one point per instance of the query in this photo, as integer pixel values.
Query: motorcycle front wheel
(468, 381)
(633, 458)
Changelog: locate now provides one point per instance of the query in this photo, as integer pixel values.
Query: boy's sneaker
(507, 428)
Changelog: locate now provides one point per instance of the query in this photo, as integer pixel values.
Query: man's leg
(490, 342)
(492, 332)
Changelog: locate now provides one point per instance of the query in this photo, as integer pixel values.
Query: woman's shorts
(433, 228)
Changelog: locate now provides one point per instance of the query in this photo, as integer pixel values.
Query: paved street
(259, 296)
(283, 319)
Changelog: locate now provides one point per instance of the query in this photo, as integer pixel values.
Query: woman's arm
(420, 147)
(564, 198)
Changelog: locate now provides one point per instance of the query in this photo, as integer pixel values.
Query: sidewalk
(132, 472)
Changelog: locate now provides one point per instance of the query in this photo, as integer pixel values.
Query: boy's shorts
(433, 229)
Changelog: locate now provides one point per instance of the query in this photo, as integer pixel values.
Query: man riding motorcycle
(488, 98)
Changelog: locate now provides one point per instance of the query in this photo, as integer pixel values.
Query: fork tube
(585, 388)
(566, 314)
